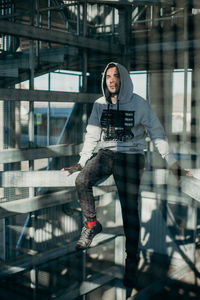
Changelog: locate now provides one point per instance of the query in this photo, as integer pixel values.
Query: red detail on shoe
(90, 224)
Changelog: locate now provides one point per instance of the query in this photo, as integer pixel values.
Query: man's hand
(72, 169)
(179, 172)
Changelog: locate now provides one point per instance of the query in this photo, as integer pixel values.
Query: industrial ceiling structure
(40, 223)
(85, 35)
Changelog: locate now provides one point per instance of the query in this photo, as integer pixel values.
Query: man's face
(113, 80)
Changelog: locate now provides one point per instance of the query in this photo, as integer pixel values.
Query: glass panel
(178, 101)
(140, 83)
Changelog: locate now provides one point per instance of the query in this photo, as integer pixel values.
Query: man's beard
(115, 94)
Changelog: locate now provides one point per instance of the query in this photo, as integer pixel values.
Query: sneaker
(87, 235)
(130, 275)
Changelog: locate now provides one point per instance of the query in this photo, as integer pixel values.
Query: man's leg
(127, 171)
(96, 169)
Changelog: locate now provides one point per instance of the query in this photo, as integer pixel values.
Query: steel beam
(185, 3)
(27, 262)
(45, 96)
(31, 204)
(128, 2)
(162, 3)
(89, 285)
(16, 155)
(166, 46)
(23, 76)
(41, 179)
(9, 71)
(21, 61)
(189, 185)
(27, 205)
(55, 36)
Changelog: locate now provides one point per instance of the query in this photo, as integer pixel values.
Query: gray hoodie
(122, 127)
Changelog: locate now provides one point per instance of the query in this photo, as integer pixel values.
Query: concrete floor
(158, 280)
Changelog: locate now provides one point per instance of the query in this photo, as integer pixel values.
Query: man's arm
(91, 139)
(93, 134)
(158, 136)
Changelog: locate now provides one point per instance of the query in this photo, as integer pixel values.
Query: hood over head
(126, 84)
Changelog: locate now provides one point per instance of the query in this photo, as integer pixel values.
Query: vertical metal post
(149, 143)
(104, 19)
(31, 133)
(85, 18)
(119, 251)
(40, 25)
(17, 114)
(161, 15)
(31, 87)
(49, 19)
(113, 24)
(7, 37)
(78, 19)
(31, 103)
(191, 226)
(85, 50)
(3, 36)
(48, 111)
(83, 262)
(6, 144)
(113, 21)
(34, 281)
(37, 24)
(49, 81)
(185, 76)
(124, 33)
(84, 89)
(152, 16)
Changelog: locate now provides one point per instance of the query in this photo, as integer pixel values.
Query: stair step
(27, 262)
(94, 282)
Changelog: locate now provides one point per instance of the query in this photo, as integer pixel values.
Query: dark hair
(111, 66)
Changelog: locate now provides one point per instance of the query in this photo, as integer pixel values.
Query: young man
(118, 125)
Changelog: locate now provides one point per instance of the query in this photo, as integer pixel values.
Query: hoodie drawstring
(108, 119)
(117, 106)
(108, 122)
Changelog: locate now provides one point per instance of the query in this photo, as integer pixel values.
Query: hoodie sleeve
(157, 135)
(92, 136)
